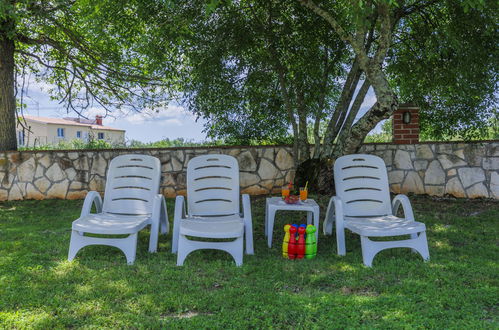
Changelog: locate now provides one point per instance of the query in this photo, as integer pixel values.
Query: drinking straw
(306, 184)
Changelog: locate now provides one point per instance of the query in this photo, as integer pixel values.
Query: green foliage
(456, 289)
(446, 60)
(235, 57)
(386, 134)
(76, 144)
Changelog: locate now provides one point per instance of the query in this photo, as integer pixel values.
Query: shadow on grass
(39, 288)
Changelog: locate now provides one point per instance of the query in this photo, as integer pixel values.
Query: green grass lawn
(457, 288)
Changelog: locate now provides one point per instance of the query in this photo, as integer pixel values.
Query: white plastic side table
(275, 204)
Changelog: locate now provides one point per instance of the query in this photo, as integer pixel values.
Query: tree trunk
(8, 139)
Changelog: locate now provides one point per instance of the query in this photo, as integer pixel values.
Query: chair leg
(186, 246)
(127, 245)
(75, 244)
(340, 241)
(371, 248)
(422, 246)
(153, 237)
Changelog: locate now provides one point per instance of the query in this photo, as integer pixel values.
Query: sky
(148, 126)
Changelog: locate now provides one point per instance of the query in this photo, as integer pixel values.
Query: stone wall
(71, 174)
(458, 169)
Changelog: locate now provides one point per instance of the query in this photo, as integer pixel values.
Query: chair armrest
(334, 213)
(92, 198)
(178, 215)
(406, 206)
(248, 224)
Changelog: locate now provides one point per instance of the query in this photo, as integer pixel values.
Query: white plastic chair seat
(216, 227)
(388, 225)
(111, 224)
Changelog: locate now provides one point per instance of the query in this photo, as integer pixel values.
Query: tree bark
(8, 139)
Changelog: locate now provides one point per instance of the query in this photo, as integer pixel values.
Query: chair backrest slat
(213, 185)
(132, 181)
(361, 182)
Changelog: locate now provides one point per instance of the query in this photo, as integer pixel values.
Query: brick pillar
(406, 133)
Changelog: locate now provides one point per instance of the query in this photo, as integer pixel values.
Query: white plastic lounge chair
(131, 202)
(213, 209)
(362, 205)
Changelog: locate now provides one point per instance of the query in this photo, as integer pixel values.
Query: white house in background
(45, 130)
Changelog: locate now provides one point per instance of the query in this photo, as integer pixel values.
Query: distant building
(44, 130)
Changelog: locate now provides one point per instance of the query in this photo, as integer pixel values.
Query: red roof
(59, 121)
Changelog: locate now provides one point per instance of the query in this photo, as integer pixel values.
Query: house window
(78, 134)
(60, 132)
(100, 136)
(20, 136)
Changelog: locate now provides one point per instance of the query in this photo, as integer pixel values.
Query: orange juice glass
(285, 191)
(303, 194)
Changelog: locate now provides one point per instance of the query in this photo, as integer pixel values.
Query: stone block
(395, 188)
(168, 192)
(247, 162)
(177, 165)
(459, 153)
(267, 184)
(80, 194)
(73, 155)
(494, 185)
(180, 155)
(76, 185)
(435, 190)
(42, 184)
(268, 153)
(493, 149)
(39, 172)
(15, 193)
(473, 154)
(71, 173)
(168, 179)
(45, 160)
(96, 184)
(387, 157)
(284, 160)
(471, 175)
(26, 171)
(420, 165)
(477, 191)
(4, 194)
(58, 190)
(402, 160)
(423, 151)
(434, 174)
(395, 176)
(267, 170)
(33, 193)
(55, 173)
(248, 179)
(444, 148)
(489, 163)
(455, 188)
(450, 161)
(255, 190)
(412, 183)
(451, 172)
(99, 165)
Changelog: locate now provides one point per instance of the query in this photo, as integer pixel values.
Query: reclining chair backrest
(132, 182)
(361, 182)
(213, 185)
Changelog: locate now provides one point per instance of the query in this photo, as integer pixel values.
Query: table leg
(316, 223)
(270, 225)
